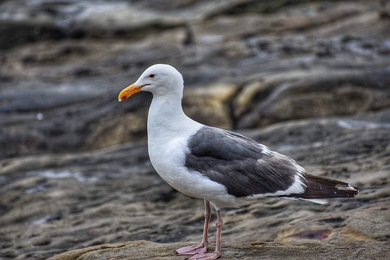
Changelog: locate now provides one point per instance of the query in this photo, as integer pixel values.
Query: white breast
(167, 156)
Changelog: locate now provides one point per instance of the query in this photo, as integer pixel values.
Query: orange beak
(129, 91)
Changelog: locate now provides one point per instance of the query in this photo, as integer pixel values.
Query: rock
(15, 33)
(75, 176)
(313, 95)
(210, 104)
(335, 136)
(253, 250)
(53, 20)
(113, 195)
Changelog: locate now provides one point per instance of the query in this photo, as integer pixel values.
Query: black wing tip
(323, 188)
(349, 190)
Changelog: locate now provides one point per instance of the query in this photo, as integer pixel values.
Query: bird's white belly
(169, 162)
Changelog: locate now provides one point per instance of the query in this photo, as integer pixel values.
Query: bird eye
(152, 76)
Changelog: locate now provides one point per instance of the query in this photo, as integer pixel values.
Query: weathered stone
(314, 95)
(14, 33)
(113, 195)
(75, 176)
(210, 104)
(246, 251)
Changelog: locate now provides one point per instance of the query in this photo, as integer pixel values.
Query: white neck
(166, 119)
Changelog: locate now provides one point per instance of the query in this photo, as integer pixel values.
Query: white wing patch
(265, 150)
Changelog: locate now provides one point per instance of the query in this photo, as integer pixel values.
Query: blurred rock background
(310, 79)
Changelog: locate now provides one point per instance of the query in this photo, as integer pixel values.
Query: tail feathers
(318, 188)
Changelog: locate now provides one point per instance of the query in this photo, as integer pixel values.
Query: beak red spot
(124, 97)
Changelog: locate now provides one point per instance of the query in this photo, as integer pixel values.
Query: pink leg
(218, 252)
(202, 247)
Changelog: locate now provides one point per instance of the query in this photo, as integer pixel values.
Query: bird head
(159, 79)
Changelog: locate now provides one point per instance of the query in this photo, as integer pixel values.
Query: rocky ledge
(310, 80)
(246, 251)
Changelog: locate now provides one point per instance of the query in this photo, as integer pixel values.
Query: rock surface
(310, 80)
(247, 251)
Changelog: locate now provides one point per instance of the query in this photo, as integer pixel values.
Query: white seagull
(223, 168)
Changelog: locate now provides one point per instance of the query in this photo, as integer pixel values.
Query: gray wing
(241, 164)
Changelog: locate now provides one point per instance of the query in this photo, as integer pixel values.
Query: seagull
(223, 168)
